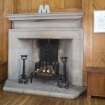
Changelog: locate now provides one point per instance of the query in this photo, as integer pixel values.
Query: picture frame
(99, 21)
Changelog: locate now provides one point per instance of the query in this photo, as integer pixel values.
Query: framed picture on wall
(99, 21)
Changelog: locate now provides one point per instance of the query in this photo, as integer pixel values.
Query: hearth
(48, 66)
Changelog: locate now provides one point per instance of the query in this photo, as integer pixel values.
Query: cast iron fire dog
(63, 81)
(23, 78)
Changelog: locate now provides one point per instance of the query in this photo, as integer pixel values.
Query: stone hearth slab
(42, 88)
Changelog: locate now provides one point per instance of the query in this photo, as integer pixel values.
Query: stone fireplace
(33, 35)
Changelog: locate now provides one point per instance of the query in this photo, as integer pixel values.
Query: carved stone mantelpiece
(27, 28)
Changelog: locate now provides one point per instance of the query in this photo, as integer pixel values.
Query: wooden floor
(7, 98)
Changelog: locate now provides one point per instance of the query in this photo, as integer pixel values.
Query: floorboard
(7, 98)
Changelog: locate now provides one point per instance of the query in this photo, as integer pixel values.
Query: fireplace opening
(48, 66)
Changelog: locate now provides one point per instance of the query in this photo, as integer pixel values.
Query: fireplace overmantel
(50, 16)
(53, 25)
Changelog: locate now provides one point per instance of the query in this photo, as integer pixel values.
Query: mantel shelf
(50, 16)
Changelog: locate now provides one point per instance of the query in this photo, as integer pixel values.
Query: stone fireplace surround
(26, 29)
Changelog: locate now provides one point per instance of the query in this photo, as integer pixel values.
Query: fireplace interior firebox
(48, 66)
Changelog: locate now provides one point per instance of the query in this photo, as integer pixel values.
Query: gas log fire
(48, 66)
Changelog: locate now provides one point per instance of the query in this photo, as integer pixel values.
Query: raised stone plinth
(42, 88)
